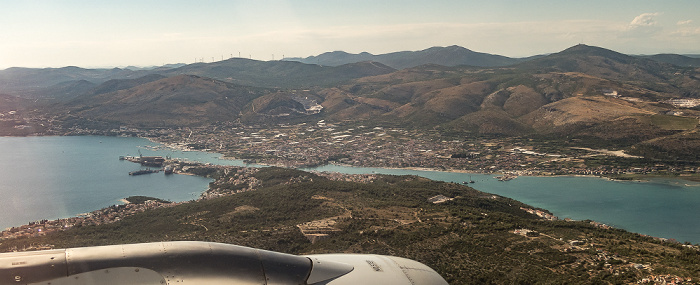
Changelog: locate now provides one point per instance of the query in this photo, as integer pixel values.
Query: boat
(168, 169)
(469, 182)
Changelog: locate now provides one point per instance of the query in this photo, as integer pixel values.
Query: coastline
(642, 178)
(481, 182)
(638, 178)
(98, 216)
(633, 177)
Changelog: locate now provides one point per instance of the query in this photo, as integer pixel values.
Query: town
(352, 144)
(103, 216)
(355, 144)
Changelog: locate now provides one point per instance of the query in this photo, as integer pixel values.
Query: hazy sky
(56, 33)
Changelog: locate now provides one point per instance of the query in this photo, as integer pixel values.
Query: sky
(57, 33)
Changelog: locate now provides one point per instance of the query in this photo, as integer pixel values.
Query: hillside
(121, 84)
(25, 81)
(557, 95)
(56, 82)
(675, 59)
(471, 237)
(11, 103)
(183, 100)
(61, 91)
(282, 74)
(13, 114)
(645, 73)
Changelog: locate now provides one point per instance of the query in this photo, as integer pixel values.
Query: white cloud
(644, 20)
(642, 26)
(686, 30)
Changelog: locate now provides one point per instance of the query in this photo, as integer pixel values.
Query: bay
(59, 177)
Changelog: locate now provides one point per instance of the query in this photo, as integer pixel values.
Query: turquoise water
(58, 177)
(660, 208)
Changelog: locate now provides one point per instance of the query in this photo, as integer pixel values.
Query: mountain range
(585, 92)
(335, 67)
(456, 56)
(447, 56)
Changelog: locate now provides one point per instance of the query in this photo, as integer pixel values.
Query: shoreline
(670, 180)
(635, 177)
(126, 202)
(638, 178)
(87, 217)
(642, 178)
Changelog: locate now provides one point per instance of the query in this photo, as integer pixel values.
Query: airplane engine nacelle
(187, 262)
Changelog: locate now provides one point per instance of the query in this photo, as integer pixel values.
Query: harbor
(154, 161)
(150, 161)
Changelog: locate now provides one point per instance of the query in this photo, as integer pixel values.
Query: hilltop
(447, 56)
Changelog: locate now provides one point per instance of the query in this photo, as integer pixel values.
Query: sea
(60, 177)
